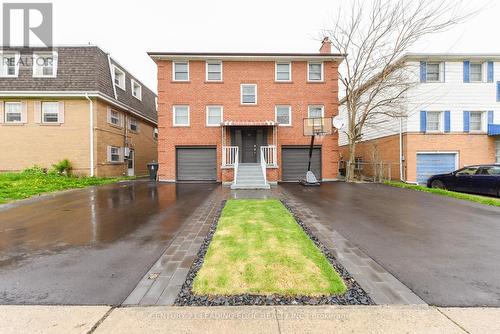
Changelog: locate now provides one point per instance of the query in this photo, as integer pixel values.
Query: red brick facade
(198, 93)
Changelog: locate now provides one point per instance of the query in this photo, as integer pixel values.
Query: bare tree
(374, 36)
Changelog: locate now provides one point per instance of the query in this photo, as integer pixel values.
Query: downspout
(401, 158)
(91, 133)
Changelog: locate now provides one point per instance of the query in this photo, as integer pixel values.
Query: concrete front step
(250, 186)
(250, 176)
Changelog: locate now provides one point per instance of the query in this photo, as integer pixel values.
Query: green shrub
(35, 169)
(63, 167)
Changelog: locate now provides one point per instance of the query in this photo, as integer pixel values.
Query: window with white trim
(283, 72)
(433, 72)
(136, 89)
(315, 111)
(155, 133)
(50, 112)
(114, 154)
(119, 77)
(180, 71)
(45, 64)
(284, 115)
(115, 117)
(433, 121)
(9, 64)
(13, 112)
(181, 115)
(214, 115)
(476, 72)
(497, 148)
(214, 70)
(315, 71)
(133, 125)
(476, 121)
(248, 94)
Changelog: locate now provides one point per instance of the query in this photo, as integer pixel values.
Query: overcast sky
(128, 29)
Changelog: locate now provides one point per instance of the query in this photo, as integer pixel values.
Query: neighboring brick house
(453, 118)
(74, 103)
(218, 111)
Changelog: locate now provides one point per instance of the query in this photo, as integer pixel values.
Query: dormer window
(119, 77)
(136, 89)
(45, 65)
(9, 64)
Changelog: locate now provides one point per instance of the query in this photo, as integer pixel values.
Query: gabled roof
(80, 69)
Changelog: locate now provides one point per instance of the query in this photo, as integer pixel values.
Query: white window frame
(221, 115)
(43, 112)
(174, 114)
(36, 56)
(122, 82)
(3, 55)
(322, 71)
(133, 85)
(440, 71)
(315, 106)
(155, 133)
(133, 121)
(119, 154)
(120, 115)
(5, 112)
(440, 120)
(289, 114)
(497, 150)
(173, 70)
(241, 94)
(481, 66)
(213, 62)
(482, 120)
(289, 71)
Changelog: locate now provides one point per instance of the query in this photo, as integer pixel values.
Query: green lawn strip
(16, 186)
(258, 248)
(442, 192)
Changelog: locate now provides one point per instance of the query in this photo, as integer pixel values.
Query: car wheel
(437, 184)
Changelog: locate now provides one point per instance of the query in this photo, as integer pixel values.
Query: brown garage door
(196, 164)
(294, 162)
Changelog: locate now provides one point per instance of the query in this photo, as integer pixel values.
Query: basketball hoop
(315, 127)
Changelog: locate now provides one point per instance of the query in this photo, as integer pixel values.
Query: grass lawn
(258, 248)
(16, 186)
(468, 197)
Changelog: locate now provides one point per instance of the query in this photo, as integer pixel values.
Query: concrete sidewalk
(265, 319)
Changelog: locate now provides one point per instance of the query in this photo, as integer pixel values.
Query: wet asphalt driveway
(90, 246)
(446, 250)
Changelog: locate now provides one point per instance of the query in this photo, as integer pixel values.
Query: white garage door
(429, 164)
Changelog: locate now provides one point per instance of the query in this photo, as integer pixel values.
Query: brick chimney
(326, 46)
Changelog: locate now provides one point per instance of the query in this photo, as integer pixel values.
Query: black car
(478, 179)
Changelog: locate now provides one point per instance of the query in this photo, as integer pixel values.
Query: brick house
(74, 103)
(452, 118)
(221, 112)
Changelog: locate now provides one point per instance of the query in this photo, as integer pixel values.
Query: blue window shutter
(447, 121)
(466, 121)
(498, 91)
(490, 71)
(466, 71)
(423, 71)
(490, 117)
(423, 121)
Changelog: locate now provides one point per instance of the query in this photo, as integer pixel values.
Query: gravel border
(354, 295)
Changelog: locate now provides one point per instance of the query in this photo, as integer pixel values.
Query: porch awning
(249, 123)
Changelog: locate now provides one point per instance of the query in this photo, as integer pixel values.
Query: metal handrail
(235, 165)
(263, 163)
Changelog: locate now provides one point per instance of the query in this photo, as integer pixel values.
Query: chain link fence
(371, 171)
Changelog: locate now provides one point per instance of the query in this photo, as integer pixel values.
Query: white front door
(131, 163)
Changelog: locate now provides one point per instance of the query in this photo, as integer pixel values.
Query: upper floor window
(433, 72)
(181, 71)
(155, 133)
(283, 72)
(433, 121)
(119, 77)
(45, 65)
(50, 112)
(13, 112)
(214, 70)
(214, 115)
(248, 94)
(476, 120)
(315, 71)
(284, 115)
(476, 72)
(9, 64)
(315, 111)
(181, 116)
(115, 117)
(136, 89)
(133, 125)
